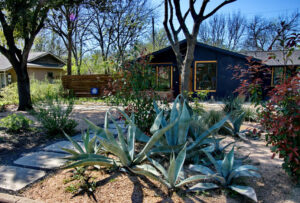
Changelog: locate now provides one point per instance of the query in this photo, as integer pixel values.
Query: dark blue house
(210, 70)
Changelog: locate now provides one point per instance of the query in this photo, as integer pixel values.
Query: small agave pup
(172, 178)
(227, 172)
(122, 147)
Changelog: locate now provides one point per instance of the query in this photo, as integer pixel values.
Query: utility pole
(153, 34)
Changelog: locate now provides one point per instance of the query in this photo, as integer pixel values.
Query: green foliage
(281, 119)
(16, 123)
(122, 147)
(54, 115)
(173, 177)
(226, 173)
(39, 91)
(197, 106)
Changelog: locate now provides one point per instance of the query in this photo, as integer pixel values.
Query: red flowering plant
(281, 119)
(138, 91)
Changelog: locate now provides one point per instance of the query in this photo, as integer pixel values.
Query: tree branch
(217, 8)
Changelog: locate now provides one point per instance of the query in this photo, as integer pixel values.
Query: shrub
(16, 123)
(54, 115)
(281, 119)
(39, 91)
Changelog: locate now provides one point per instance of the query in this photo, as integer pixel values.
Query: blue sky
(249, 8)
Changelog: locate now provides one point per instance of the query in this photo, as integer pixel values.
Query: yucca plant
(187, 130)
(172, 177)
(227, 172)
(122, 147)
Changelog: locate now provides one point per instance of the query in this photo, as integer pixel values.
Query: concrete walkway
(33, 166)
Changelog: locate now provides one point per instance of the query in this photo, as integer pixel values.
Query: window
(164, 77)
(205, 76)
(277, 75)
(50, 75)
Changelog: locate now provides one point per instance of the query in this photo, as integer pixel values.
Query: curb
(6, 198)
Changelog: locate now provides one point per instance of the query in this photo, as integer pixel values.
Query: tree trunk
(23, 88)
(69, 60)
(186, 67)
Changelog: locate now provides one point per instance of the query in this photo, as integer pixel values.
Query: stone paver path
(35, 165)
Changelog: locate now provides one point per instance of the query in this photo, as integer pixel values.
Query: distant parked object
(40, 65)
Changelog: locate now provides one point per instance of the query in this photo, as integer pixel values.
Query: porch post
(5, 81)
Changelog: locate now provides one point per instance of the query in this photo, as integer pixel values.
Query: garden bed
(274, 186)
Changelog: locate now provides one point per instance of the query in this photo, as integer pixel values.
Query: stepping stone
(43, 160)
(56, 147)
(15, 178)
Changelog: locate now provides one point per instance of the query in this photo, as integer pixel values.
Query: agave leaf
(207, 133)
(245, 190)
(210, 148)
(157, 123)
(159, 167)
(99, 131)
(243, 170)
(171, 171)
(177, 164)
(157, 135)
(116, 150)
(75, 144)
(92, 162)
(131, 140)
(227, 163)
(73, 152)
(149, 168)
(86, 140)
(213, 161)
(140, 136)
(121, 138)
(156, 109)
(171, 140)
(183, 124)
(203, 186)
(91, 144)
(166, 149)
(237, 123)
(193, 179)
(202, 169)
(223, 148)
(150, 175)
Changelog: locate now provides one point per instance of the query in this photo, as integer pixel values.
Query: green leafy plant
(172, 177)
(16, 123)
(122, 147)
(226, 173)
(54, 115)
(197, 106)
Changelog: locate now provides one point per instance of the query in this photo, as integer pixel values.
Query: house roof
(224, 51)
(267, 57)
(5, 64)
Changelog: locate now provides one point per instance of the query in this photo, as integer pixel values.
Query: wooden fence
(80, 85)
